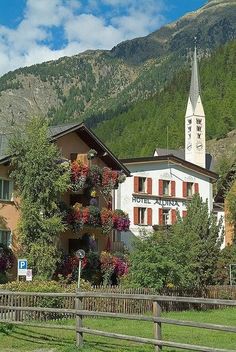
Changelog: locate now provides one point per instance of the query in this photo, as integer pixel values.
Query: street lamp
(80, 254)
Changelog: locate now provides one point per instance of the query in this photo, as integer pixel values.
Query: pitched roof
(55, 132)
(174, 160)
(195, 82)
(180, 153)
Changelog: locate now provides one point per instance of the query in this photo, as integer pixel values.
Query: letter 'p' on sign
(22, 267)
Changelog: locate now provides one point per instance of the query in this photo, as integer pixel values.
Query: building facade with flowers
(88, 204)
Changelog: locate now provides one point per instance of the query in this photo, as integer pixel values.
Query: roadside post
(80, 254)
(22, 266)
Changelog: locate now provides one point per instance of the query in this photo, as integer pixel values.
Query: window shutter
(184, 213)
(149, 185)
(173, 188)
(160, 187)
(136, 184)
(196, 188)
(160, 216)
(173, 216)
(184, 189)
(135, 216)
(149, 216)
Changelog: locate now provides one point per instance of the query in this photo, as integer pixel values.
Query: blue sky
(33, 31)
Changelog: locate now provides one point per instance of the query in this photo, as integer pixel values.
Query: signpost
(80, 254)
(29, 275)
(22, 267)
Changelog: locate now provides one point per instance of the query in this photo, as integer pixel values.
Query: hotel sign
(160, 201)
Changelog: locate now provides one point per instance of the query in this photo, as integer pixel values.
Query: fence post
(157, 326)
(79, 320)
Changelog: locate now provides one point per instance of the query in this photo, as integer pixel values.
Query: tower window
(199, 128)
(189, 135)
(189, 129)
(199, 121)
(189, 121)
(199, 135)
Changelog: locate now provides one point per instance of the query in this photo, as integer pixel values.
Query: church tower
(195, 144)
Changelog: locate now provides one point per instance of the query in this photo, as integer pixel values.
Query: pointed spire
(195, 81)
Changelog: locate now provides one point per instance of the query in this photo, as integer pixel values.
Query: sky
(34, 31)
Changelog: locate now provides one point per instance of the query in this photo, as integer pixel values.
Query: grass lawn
(24, 339)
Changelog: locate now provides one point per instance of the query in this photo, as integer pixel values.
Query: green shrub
(44, 286)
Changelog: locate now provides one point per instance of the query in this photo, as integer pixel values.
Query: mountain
(159, 120)
(98, 85)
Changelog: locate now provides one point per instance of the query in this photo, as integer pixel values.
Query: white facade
(164, 188)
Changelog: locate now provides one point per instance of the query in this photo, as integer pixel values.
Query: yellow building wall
(9, 213)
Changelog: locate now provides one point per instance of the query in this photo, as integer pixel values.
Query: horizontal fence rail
(29, 309)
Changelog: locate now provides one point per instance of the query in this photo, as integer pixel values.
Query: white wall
(126, 200)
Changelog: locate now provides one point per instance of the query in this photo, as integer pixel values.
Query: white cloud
(83, 27)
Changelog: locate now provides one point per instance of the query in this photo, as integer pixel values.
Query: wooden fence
(112, 305)
(80, 313)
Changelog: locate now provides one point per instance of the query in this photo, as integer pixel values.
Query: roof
(180, 153)
(195, 81)
(174, 160)
(56, 132)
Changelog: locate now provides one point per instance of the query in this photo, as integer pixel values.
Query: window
(199, 135)
(189, 189)
(142, 184)
(5, 189)
(5, 238)
(189, 121)
(189, 129)
(199, 121)
(166, 188)
(189, 135)
(199, 128)
(142, 216)
(166, 220)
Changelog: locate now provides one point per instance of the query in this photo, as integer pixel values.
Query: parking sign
(22, 267)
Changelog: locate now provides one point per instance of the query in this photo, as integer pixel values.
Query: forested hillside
(143, 127)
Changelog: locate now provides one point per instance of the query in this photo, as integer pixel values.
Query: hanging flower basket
(79, 174)
(95, 176)
(120, 220)
(106, 221)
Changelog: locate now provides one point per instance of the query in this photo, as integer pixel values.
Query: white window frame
(190, 187)
(144, 184)
(168, 186)
(166, 220)
(144, 216)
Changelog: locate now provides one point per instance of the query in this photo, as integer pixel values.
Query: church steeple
(194, 92)
(195, 120)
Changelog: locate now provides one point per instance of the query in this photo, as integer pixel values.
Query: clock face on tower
(199, 145)
(189, 146)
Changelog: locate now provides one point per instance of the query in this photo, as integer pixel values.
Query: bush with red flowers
(79, 174)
